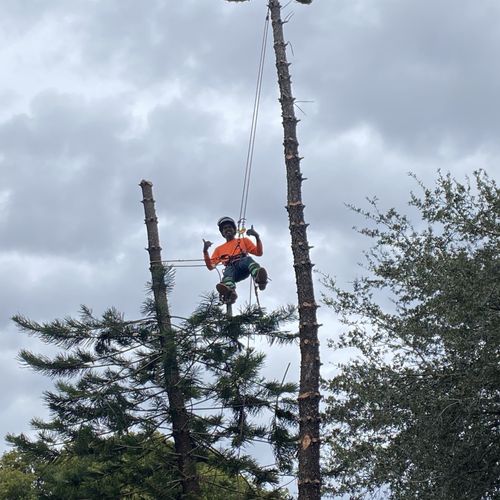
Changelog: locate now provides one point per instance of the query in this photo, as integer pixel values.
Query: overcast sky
(96, 95)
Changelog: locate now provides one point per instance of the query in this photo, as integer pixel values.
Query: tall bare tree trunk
(309, 480)
(177, 408)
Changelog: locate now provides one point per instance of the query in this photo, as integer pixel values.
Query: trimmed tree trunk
(177, 408)
(309, 480)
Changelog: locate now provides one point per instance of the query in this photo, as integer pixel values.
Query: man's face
(228, 231)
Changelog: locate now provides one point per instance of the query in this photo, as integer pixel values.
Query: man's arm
(259, 247)
(206, 257)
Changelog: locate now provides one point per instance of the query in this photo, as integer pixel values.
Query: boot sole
(227, 294)
(261, 278)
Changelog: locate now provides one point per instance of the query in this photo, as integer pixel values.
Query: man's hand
(206, 245)
(253, 232)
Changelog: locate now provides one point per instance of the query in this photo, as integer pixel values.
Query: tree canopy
(134, 466)
(111, 383)
(415, 414)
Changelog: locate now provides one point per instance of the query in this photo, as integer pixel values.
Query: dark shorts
(238, 270)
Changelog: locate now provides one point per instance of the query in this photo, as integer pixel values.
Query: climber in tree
(234, 255)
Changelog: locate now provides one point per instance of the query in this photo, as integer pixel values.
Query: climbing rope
(253, 129)
(177, 263)
(182, 263)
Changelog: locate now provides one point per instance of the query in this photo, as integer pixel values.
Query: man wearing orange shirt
(234, 255)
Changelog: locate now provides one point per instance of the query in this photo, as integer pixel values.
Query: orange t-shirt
(232, 248)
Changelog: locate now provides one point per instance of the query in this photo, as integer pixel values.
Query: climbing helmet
(225, 220)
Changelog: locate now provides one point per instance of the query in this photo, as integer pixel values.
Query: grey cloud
(120, 40)
(72, 228)
(72, 177)
(420, 76)
(18, 17)
(70, 144)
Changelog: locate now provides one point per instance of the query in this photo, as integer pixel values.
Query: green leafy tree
(129, 466)
(111, 381)
(416, 414)
(17, 478)
(132, 466)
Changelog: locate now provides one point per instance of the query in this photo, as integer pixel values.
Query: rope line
(253, 128)
(182, 260)
(191, 263)
(177, 266)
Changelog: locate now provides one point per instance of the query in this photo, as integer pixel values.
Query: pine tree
(177, 412)
(196, 381)
(111, 381)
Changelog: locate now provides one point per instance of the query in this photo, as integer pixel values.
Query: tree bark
(309, 480)
(177, 408)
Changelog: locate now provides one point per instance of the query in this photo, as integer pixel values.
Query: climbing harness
(240, 227)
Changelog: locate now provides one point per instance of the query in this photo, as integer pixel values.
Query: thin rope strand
(167, 262)
(253, 128)
(256, 113)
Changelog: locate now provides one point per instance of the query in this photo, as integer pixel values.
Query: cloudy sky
(97, 95)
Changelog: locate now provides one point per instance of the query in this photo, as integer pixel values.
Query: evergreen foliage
(17, 478)
(110, 382)
(416, 415)
(132, 466)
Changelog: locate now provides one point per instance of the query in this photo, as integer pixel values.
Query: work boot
(228, 294)
(261, 278)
